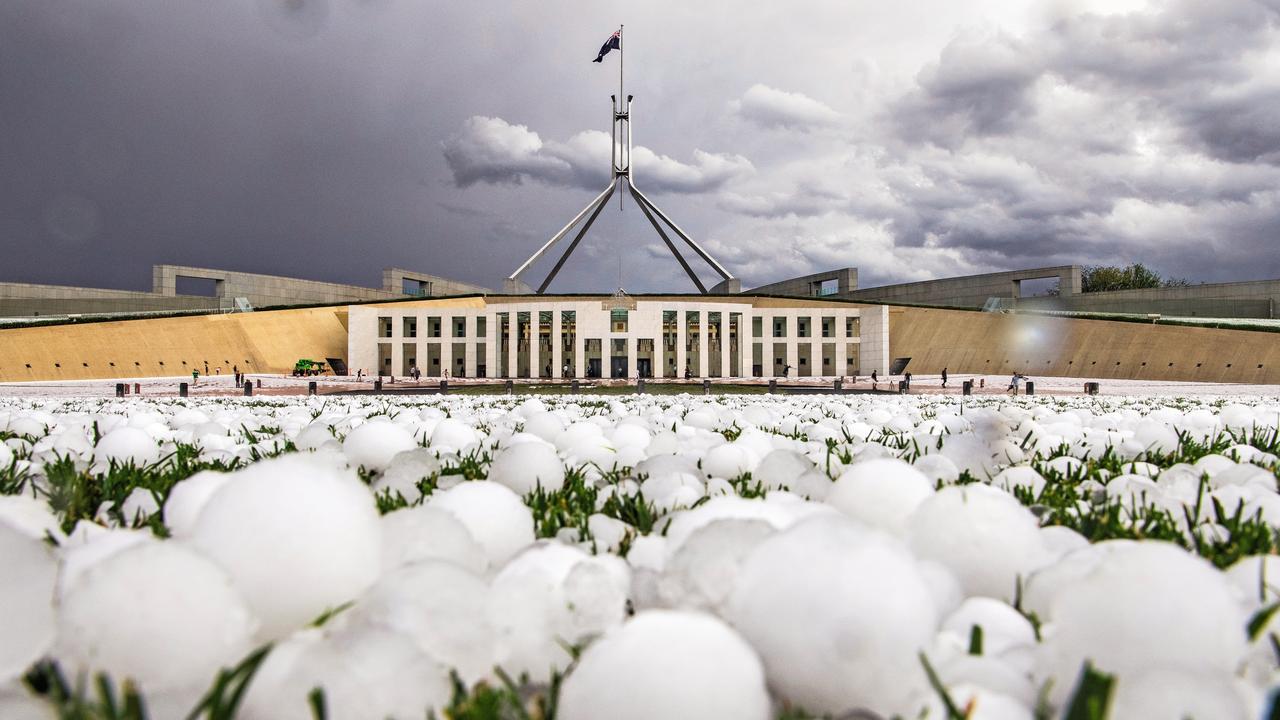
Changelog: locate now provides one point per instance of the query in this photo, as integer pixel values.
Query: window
(459, 327)
(384, 327)
(481, 326)
(411, 327)
(852, 327)
(618, 321)
(802, 326)
(779, 327)
(828, 327)
(433, 327)
(757, 326)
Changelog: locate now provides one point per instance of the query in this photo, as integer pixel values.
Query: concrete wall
(1258, 299)
(846, 280)
(262, 291)
(266, 290)
(28, 299)
(256, 342)
(970, 290)
(434, 285)
(998, 343)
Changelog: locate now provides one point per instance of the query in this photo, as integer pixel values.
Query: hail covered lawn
(647, 557)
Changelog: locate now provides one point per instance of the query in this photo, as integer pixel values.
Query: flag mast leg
(620, 171)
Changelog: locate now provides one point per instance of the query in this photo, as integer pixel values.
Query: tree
(1100, 278)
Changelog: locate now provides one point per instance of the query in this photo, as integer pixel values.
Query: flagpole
(622, 98)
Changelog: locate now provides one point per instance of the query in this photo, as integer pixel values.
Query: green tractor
(306, 367)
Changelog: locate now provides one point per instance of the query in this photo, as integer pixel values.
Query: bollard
(966, 388)
(120, 388)
(640, 386)
(573, 387)
(510, 387)
(248, 388)
(137, 388)
(259, 383)
(444, 387)
(311, 388)
(902, 387)
(377, 385)
(773, 386)
(1031, 388)
(182, 389)
(839, 385)
(1091, 388)
(706, 387)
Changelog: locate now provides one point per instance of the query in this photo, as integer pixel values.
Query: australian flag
(613, 43)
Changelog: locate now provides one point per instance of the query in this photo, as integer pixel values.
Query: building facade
(619, 336)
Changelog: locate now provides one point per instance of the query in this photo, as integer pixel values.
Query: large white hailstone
(188, 497)
(676, 665)
(29, 516)
(6, 456)
(1020, 476)
(375, 443)
(778, 515)
(970, 453)
(439, 606)
(702, 572)
(989, 672)
(1155, 437)
(452, 434)
(494, 515)
(1257, 578)
(630, 435)
(124, 446)
(26, 600)
(364, 672)
(1144, 605)
(525, 466)
(551, 595)
(297, 535)
(779, 469)
(837, 613)
(881, 493)
(313, 436)
(156, 612)
(729, 460)
(405, 471)
(1002, 626)
(545, 425)
(86, 550)
(938, 468)
(139, 505)
(1159, 693)
(985, 536)
(1060, 540)
(607, 533)
(411, 535)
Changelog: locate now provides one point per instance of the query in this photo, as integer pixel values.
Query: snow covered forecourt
(647, 557)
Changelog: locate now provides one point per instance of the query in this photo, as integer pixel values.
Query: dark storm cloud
(331, 138)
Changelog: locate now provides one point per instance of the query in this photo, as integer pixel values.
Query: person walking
(944, 377)
(564, 372)
(195, 376)
(875, 379)
(907, 377)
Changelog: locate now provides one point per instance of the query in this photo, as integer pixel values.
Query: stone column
(682, 337)
(703, 360)
(492, 342)
(793, 344)
(557, 344)
(469, 349)
(513, 344)
(535, 343)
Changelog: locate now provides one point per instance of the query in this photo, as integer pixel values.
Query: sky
(329, 139)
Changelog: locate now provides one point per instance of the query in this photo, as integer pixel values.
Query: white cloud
(773, 108)
(491, 150)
